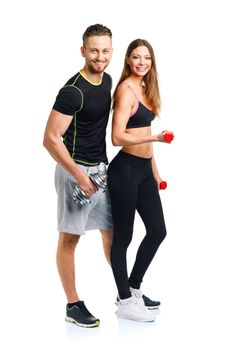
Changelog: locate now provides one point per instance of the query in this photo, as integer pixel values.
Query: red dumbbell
(168, 136)
(163, 185)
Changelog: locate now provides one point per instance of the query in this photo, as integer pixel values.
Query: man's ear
(82, 51)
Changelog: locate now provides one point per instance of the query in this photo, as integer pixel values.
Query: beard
(93, 68)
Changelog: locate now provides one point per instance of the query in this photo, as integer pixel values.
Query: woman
(133, 178)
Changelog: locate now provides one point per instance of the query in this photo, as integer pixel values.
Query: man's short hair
(96, 30)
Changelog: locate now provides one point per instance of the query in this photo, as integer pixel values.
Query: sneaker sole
(131, 319)
(148, 307)
(92, 325)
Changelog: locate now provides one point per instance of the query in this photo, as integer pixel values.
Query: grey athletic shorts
(76, 218)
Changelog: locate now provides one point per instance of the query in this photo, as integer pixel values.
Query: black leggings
(132, 186)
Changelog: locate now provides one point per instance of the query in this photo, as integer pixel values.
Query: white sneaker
(138, 295)
(148, 303)
(131, 309)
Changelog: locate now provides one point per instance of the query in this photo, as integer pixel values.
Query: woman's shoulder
(123, 90)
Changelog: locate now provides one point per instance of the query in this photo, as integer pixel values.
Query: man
(79, 116)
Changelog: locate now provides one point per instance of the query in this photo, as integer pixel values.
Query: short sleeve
(69, 100)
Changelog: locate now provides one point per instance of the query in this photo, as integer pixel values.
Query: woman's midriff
(143, 150)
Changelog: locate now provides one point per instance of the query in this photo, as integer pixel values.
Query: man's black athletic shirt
(89, 104)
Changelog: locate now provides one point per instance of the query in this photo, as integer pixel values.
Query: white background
(193, 273)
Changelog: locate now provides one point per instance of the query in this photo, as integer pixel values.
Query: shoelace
(129, 301)
(137, 294)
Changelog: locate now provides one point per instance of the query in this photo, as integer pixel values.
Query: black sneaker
(150, 304)
(80, 315)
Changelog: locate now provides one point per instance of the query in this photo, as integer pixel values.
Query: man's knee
(68, 240)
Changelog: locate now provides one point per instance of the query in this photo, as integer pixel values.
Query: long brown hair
(150, 80)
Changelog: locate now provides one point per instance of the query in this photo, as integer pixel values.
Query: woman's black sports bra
(143, 116)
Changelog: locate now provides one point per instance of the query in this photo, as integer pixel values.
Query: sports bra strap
(132, 91)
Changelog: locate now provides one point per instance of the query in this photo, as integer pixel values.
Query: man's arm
(56, 126)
